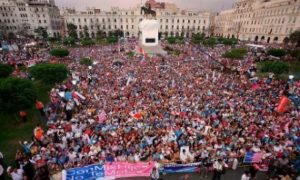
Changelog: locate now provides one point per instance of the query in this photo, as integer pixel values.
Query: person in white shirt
(154, 174)
(218, 169)
(15, 174)
(246, 176)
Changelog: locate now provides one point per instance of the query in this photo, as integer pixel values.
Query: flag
(137, 115)
(251, 157)
(261, 167)
(102, 117)
(282, 106)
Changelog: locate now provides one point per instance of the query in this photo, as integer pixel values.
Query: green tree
(295, 53)
(87, 42)
(41, 32)
(235, 54)
(198, 38)
(171, 40)
(86, 31)
(295, 38)
(211, 42)
(86, 61)
(5, 70)
(100, 35)
(72, 30)
(276, 67)
(49, 73)
(112, 39)
(276, 52)
(69, 41)
(11, 35)
(59, 52)
(16, 94)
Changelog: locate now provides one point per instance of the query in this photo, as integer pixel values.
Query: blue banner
(85, 173)
(181, 168)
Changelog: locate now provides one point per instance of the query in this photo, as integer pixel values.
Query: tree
(295, 38)
(72, 30)
(41, 32)
(171, 40)
(87, 42)
(11, 35)
(86, 31)
(276, 52)
(59, 52)
(235, 54)
(5, 70)
(69, 41)
(276, 67)
(49, 73)
(86, 61)
(198, 38)
(16, 94)
(100, 35)
(112, 39)
(211, 42)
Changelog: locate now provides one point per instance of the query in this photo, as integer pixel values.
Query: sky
(197, 5)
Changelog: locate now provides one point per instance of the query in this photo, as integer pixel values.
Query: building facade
(22, 17)
(173, 21)
(259, 20)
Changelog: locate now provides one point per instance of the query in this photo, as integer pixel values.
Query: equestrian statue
(148, 11)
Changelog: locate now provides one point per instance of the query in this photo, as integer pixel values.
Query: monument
(148, 32)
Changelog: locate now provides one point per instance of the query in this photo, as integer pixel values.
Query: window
(103, 20)
(109, 27)
(84, 20)
(166, 26)
(92, 27)
(132, 27)
(188, 21)
(91, 20)
(126, 26)
(204, 22)
(103, 26)
(80, 27)
(167, 20)
(177, 20)
(115, 20)
(45, 21)
(78, 19)
(40, 21)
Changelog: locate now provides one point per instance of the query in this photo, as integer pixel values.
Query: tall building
(173, 21)
(22, 17)
(259, 20)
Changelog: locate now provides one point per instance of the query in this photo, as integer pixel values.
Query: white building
(173, 21)
(22, 17)
(259, 20)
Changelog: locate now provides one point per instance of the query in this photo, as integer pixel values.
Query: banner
(181, 168)
(251, 157)
(84, 173)
(125, 169)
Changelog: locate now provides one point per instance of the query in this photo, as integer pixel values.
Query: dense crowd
(166, 109)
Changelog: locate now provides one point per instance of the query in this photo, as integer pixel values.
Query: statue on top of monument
(147, 10)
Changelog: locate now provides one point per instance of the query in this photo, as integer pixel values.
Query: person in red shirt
(23, 115)
(40, 106)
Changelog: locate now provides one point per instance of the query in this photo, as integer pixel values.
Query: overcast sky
(198, 5)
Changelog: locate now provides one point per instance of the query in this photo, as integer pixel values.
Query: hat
(25, 142)
(9, 169)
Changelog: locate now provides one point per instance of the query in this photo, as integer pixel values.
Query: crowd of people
(195, 107)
